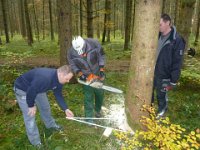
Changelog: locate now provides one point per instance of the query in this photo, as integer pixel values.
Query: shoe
(57, 128)
(39, 146)
(161, 113)
(98, 115)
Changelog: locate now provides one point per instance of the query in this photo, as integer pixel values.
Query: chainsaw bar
(99, 85)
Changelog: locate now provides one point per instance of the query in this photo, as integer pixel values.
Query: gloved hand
(167, 85)
(102, 74)
(82, 76)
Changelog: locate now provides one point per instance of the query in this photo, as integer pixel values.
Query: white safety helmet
(78, 43)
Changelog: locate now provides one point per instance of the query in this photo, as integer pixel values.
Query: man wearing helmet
(87, 59)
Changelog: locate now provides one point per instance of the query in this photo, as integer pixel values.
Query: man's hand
(167, 86)
(82, 76)
(170, 86)
(102, 74)
(69, 113)
(32, 111)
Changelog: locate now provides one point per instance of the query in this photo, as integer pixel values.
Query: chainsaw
(99, 85)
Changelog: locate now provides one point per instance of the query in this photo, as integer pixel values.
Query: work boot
(57, 128)
(161, 113)
(39, 146)
(98, 115)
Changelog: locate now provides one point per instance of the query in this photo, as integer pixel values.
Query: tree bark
(81, 17)
(5, 23)
(64, 29)
(185, 19)
(128, 23)
(36, 22)
(28, 24)
(89, 18)
(51, 21)
(43, 22)
(142, 63)
(108, 22)
(198, 25)
(22, 18)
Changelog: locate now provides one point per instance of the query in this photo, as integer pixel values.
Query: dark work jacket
(91, 62)
(169, 61)
(40, 80)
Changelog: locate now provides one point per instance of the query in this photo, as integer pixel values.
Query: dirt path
(111, 65)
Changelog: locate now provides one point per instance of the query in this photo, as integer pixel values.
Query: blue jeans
(42, 103)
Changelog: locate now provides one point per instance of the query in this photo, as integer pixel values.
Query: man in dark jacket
(87, 59)
(30, 90)
(169, 57)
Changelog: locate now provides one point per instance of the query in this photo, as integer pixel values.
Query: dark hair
(65, 69)
(166, 18)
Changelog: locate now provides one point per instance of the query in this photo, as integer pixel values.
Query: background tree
(90, 18)
(51, 21)
(3, 2)
(185, 19)
(64, 28)
(28, 24)
(22, 18)
(143, 59)
(128, 23)
(198, 25)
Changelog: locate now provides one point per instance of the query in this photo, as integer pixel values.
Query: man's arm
(61, 102)
(177, 60)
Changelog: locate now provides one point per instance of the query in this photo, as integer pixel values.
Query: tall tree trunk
(133, 19)
(36, 22)
(5, 23)
(22, 18)
(51, 21)
(108, 22)
(198, 25)
(64, 29)
(105, 20)
(98, 20)
(176, 11)
(9, 7)
(28, 24)
(89, 18)
(143, 59)
(128, 23)
(81, 17)
(43, 22)
(114, 18)
(185, 19)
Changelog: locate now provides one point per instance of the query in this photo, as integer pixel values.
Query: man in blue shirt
(30, 90)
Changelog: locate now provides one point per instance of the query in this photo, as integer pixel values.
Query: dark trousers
(161, 94)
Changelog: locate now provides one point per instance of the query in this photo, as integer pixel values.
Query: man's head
(165, 24)
(78, 43)
(64, 74)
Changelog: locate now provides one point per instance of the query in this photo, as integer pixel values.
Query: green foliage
(159, 134)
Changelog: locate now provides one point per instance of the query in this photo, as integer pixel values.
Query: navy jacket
(169, 61)
(40, 80)
(95, 57)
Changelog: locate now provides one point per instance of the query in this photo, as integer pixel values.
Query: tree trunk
(105, 20)
(22, 18)
(36, 22)
(51, 21)
(5, 23)
(185, 19)
(114, 18)
(108, 22)
(64, 29)
(128, 23)
(81, 18)
(43, 22)
(0, 41)
(89, 18)
(198, 25)
(143, 59)
(28, 24)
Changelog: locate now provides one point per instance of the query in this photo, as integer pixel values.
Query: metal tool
(100, 85)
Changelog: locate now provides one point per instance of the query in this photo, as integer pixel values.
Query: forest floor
(17, 57)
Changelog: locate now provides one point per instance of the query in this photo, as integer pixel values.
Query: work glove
(82, 76)
(167, 85)
(102, 74)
